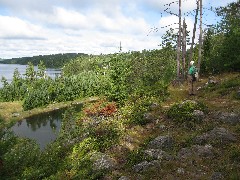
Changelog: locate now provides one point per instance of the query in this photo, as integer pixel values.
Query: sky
(41, 27)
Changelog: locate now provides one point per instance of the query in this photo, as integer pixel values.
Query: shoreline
(12, 111)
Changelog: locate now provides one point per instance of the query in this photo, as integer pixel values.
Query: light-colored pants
(191, 85)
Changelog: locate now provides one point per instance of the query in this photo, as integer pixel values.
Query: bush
(137, 156)
(79, 161)
(20, 157)
(182, 113)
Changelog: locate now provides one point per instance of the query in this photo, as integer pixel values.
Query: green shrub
(182, 113)
(20, 157)
(137, 156)
(79, 162)
(135, 109)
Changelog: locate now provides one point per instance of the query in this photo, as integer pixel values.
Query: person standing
(192, 79)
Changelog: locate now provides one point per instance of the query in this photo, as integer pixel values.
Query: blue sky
(38, 27)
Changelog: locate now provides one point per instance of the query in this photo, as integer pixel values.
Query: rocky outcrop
(157, 154)
(161, 142)
(196, 151)
(145, 165)
(221, 135)
(229, 118)
(102, 161)
(199, 115)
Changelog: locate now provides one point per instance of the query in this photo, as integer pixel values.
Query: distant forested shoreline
(50, 61)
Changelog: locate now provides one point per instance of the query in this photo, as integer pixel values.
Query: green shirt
(192, 70)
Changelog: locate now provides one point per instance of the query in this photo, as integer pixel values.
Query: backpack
(195, 76)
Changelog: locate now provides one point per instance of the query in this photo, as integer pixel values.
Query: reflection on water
(43, 128)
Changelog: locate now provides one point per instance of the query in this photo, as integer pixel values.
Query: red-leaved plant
(101, 108)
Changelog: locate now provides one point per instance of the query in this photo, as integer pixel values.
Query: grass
(13, 111)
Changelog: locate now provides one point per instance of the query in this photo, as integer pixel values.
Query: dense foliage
(222, 42)
(117, 77)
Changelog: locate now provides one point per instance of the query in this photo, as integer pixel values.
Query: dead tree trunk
(179, 41)
(194, 32)
(200, 40)
(184, 48)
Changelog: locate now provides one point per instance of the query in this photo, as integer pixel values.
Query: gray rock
(162, 127)
(157, 154)
(154, 106)
(217, 176)
(185, 153)
(196, 151)
(102, 161)
(217, 134)
(141, 166)
(231, 118)
(123, 178)
(198, 114)
(212, 80)
(145, 165)
(203, 151)
(149, 116)
(180, 171)
(161, 142)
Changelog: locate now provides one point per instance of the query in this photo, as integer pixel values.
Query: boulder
(102, 161)
(230, 118)
(203, 151)
(154, 106)
(180, 171)
(217, 176)
(149, 116)
(216, 135)
(157, 154)
(123, 178)
(145, 165)
(161, 142)
(198, 114)
(212, 80)
(196, 151)
(185, 153)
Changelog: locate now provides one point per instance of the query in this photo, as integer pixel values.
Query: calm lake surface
(43, 128)
(6, 70)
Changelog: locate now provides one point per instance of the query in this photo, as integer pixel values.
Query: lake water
(6, 70)
(43, 128)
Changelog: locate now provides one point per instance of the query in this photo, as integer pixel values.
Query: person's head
(191, 63)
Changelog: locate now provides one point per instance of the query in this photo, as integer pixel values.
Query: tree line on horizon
(50, 61)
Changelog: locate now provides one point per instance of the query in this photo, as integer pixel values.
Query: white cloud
(89, 26)
(68, 19)
(15, 28)
(170, 6)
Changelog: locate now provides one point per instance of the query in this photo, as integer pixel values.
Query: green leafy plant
(182, 113)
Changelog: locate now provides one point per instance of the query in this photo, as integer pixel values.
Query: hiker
(192, 78)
